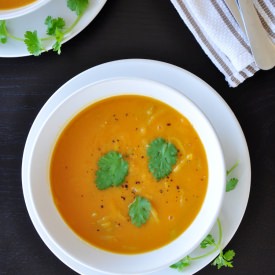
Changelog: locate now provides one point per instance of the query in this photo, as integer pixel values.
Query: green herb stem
(73, 24)
(15, 37)
(217, 246)
(232, 168)
(204, 255)
(220, 232)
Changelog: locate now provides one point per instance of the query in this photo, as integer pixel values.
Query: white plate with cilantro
(47, 28)
(232, 140)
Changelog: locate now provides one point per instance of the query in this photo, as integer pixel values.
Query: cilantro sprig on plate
(162, 156)
(56, 30)
(231, 183)
(224, 259)
(3, 32)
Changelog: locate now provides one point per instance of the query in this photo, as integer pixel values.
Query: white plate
(35, 21)
(216, 109)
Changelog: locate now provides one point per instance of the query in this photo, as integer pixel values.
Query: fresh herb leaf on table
(224, 259)
(139, 211)
(55, 30)
(162, 156)
(112, 171)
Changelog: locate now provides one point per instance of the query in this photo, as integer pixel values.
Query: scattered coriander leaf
(224, 260)
(33, 43)
(55, 28)
(139, 211)
(180, 265)
(162, 156)
(78, 6)
(3, 32)
(112, 170)
(229, 255)
(208, 241)
(231, 184)
(58, 43)
(54, 24)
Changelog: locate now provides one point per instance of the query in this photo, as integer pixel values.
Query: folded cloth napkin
(220, 36)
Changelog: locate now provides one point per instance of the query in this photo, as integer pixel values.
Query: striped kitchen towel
(221, 37)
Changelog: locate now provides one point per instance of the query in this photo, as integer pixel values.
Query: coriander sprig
(56, 30)
(231, 183)
(223, 259)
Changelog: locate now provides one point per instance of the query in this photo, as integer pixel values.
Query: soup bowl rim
(23, 10)
(56, 230)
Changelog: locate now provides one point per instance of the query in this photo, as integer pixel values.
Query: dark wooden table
(131, 29)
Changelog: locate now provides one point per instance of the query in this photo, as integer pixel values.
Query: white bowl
(49, 223)
(17, 12)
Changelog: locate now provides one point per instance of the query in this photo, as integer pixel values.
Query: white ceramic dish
(13, 13)
(35, 21)
(231, 137)
(37, 179)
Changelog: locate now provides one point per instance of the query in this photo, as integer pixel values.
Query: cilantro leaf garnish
(231, 183)
(58, 43)
(3, 32)
(162, 156)
(54, 24)
(180, 265)
(55, 30)
(208, 241)
(112, 170)
(33, 43)
(139, 211)
(78, 6)
(224, 259)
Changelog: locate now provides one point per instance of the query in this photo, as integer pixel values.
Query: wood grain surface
(131, 29)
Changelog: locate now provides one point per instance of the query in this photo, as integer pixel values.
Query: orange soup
(13, 4)
(127, 124)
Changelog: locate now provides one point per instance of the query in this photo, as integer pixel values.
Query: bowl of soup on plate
(15, 8)
(126, 176)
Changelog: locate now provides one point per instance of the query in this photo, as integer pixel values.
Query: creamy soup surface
(12, 4)
(127, 124)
